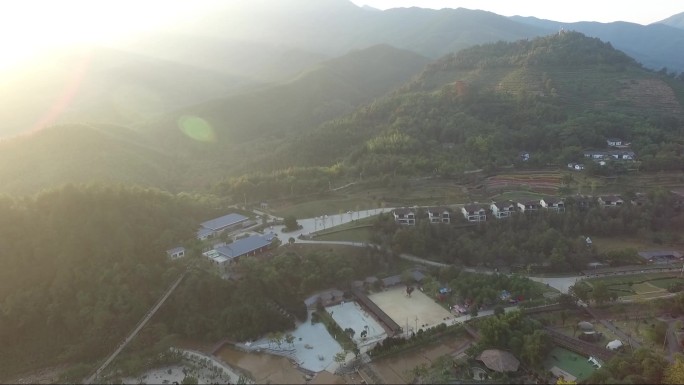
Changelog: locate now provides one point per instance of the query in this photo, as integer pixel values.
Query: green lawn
(618, 281)
(351, 235)
(517, 195)
(665, 283)
(569, 361)
(330, 206)
(362, 197)
(608, 244)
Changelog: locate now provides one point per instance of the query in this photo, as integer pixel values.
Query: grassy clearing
(518, 195)
(307, 248)
(325, 206)
(630, 279)
(667, 282)
(350, 235)
(603, 244)
(647, 296)
(646, 288)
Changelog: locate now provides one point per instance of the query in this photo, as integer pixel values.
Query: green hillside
(331, 89)
(79, 267)
(238, 130)
(102, 85)
(82, 153)
(554, 97)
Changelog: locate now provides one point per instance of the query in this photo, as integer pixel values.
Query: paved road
(135, 331)
(312, 225)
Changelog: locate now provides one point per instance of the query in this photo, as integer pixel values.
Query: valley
(312, 191)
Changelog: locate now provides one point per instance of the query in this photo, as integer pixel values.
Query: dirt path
(135, 332)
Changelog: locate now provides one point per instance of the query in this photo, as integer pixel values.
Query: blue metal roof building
(224, 222)
(246, 246)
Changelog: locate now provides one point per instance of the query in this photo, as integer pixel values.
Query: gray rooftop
(224, 221)
(243, 246)
(175, 250)
(391, 281)
(203, 233)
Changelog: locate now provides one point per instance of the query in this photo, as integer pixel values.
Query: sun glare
(29, 27)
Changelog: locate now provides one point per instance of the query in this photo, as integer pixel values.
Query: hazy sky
(641, 12)
(30, 26)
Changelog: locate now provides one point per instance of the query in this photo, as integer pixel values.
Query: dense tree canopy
(542, 239)
(80, 265)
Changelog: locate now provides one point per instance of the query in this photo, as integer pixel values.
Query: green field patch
(603, 244)
(570, 362)
(630, 279)
(361, 234)
(325, 206)
(646, 288)
(665, 283)
(646, 296)
(622, 289)
(517, 195)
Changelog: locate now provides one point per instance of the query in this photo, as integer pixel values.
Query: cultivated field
(640, 287)
(418, 311)
(543, 182)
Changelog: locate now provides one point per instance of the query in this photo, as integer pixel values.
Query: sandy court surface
(351, 315)
(418, 310)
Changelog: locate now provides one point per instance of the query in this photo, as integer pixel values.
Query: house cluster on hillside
(618, 151)
(407, 216)
(479, 212)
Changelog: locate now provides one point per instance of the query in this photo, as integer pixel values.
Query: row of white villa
(478, 212)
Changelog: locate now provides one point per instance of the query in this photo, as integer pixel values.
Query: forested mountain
(80, 266)
(676, 21)
(244, 43)
(655, 45)
(552, 96)
(240, 129)
(103, 85)
(81, 153)
(326, 91)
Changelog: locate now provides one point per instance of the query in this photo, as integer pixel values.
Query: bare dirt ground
(264, 368)
(398, 369)
(418, 311)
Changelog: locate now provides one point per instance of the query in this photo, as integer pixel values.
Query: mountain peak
(676, 21)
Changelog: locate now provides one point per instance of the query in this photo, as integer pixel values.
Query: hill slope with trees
(554, 97)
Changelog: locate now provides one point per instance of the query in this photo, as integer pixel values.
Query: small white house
(176, 252)
(502, 209)
(614, 142)
(474, 212)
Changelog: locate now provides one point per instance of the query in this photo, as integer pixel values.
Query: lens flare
(196, 128)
